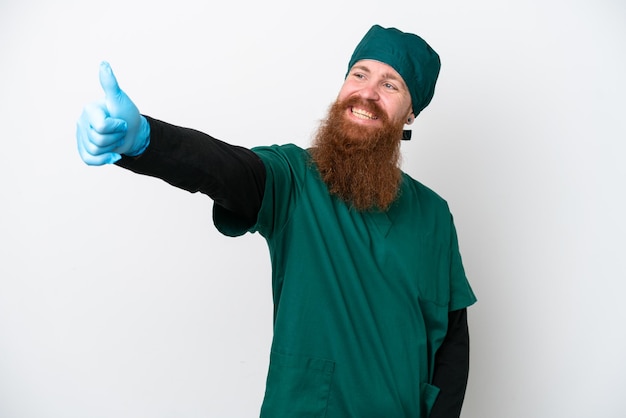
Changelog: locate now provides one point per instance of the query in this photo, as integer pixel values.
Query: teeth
(363, 114)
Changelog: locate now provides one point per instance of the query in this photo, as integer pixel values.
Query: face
(379, 89)
(357, 148)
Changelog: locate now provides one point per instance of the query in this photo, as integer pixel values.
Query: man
(369, 291)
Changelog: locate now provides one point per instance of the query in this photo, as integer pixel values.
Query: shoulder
(285, 161)
(289, 151)
(412, 188)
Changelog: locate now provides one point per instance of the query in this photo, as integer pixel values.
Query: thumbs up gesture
(111, 127)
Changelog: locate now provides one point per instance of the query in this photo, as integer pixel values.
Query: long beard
(359, 164)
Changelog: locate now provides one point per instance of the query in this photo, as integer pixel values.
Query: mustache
(368, 105)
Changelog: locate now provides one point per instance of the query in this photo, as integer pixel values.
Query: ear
(410, 119)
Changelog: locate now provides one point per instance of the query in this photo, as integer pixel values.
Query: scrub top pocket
(297, 387)
(429, 396)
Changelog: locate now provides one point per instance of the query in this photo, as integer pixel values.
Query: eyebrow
(386, 76)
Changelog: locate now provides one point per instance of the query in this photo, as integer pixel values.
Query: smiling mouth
(363, 114)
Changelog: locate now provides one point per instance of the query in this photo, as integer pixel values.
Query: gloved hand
(112, 126)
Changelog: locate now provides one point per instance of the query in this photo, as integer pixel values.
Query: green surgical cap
(408, 54)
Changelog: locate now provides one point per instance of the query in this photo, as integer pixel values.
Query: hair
(360, 165)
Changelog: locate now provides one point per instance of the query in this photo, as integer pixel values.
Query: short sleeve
(284, 177)
(461, 293)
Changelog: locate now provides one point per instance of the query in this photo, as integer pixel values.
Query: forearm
(232, 176)
(452, 367)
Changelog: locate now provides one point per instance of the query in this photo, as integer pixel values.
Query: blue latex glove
(112, 126)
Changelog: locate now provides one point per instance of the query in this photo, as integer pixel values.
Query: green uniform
(361, 299)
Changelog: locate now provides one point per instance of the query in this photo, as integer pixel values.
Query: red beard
(359, 164)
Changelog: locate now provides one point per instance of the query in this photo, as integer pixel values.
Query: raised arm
(114, 131)
(234, 177)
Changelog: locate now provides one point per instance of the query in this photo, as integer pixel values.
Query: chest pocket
(297, 387)
(422, 261)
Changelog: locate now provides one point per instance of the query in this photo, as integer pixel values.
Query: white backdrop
(119, 299)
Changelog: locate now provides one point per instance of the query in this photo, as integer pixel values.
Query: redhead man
(370, 294)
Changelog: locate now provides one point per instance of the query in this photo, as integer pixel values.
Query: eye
(389, 86)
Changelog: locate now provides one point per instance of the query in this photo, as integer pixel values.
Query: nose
(369, 92)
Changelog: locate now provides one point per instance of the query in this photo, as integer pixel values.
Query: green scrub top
(361, 299)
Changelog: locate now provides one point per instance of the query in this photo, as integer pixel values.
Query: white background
(119, 299)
